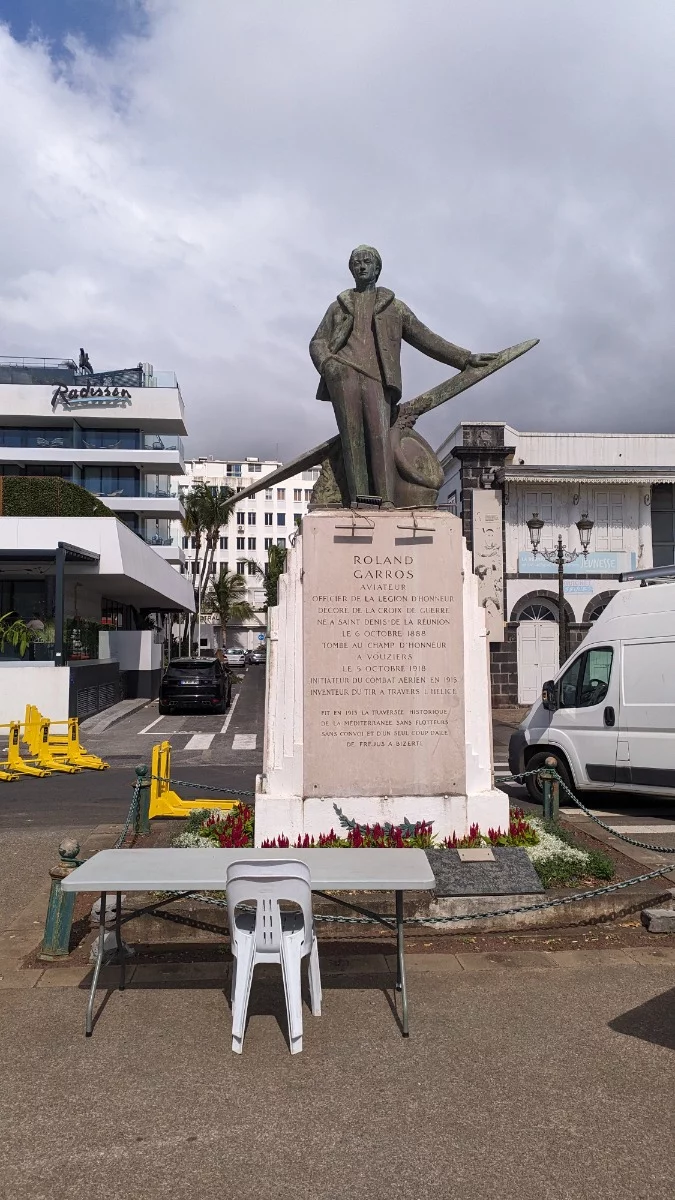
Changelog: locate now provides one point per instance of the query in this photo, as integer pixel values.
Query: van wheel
(533, 782)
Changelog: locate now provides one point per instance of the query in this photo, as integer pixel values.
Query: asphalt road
(223, 751)
(226, 752)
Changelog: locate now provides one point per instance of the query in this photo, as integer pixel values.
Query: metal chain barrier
(131, 815)
(622, 836)
(556, 902)
(207, 787)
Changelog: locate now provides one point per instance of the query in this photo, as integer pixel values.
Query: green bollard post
(143, 811)
(546, 783)
(59, 920)
(555, 791)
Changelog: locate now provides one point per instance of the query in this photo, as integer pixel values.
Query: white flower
(191, 841)
(549, 845)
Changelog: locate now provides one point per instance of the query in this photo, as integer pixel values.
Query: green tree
(226, 597)
(207, 510)
(276, 565)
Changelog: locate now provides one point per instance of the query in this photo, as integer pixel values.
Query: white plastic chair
(272, 936)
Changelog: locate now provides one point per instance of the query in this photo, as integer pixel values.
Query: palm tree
(226, 598)
(207, 509)
(276, 565)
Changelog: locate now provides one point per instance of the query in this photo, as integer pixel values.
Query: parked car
(195, 683)
(258, 656)
(234, 657)
(608, 717)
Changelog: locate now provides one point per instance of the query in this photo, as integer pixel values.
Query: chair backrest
(269, 882)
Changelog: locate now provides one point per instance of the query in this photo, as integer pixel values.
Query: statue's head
(365, 265)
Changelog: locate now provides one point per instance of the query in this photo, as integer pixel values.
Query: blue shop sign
(609, 562)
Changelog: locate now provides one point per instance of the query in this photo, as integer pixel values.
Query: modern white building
(268, 518)
(96, 589)
(625, 483)
(115, 433)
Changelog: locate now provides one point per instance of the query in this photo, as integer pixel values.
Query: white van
(608, 717)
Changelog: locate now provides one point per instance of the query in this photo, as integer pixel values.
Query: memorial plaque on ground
(510, 874)
(383, 654)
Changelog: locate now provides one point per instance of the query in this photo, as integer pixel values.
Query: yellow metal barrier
(14, 760)
(64, 746)
(45, 756)
(166, 803)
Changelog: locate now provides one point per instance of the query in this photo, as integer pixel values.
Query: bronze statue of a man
(357, 352)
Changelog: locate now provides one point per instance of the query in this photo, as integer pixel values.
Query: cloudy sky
(183, 182)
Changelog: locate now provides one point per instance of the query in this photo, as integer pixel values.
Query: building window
(663, 524)
(297, 494)
(240, 566)
(308, 495)
(241, 543)
(268, 493)
(281, 542)
(241, 517)
(281, 493)
(223, 543)
(268, 543)
(212, 568)
(311, 475)
(251, 543)
(234, 468)
(112, 481)
(608, 527)
(297, 517)
(186, 542)
(542, 503)
(452, 503)
(251, 568)
(224, 568)
(251, 518)
(269, 518)
(254, 468)
(281, 518)
(195, 567)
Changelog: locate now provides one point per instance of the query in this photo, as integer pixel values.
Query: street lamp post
(561, 557)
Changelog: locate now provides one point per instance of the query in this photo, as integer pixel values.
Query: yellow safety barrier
(45, 756)
(14, 760)
(65, 746)
(166, 803)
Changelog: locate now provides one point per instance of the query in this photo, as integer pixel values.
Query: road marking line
(200, 741)
(228, 718)
(244, 741)
(150, 726)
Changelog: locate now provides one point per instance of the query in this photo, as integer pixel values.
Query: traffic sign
(261, 637)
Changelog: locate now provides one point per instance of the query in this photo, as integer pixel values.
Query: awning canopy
(593, 475)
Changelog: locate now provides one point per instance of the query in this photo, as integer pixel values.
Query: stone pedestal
(378, 697)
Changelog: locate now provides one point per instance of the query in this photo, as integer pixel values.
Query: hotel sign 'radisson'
(102, 397)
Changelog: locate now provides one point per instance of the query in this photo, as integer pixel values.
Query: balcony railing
(66, 370)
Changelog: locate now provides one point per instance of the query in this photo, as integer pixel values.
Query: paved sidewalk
(516, 1083)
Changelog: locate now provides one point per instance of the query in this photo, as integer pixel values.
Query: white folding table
(186, 871)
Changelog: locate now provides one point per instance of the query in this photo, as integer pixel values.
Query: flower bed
(552, 851)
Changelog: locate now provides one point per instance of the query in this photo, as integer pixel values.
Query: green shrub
(48, 496)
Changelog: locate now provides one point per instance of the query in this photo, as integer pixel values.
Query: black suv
(195, 683)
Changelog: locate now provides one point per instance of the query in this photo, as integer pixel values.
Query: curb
(216, 974)
(102, 721)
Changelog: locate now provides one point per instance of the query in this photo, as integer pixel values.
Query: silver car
(235, 657)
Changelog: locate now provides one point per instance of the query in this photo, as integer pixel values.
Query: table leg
(121, 948)
(89, 1020)
(400, 964)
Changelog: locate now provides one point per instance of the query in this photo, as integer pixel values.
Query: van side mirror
(549, 695)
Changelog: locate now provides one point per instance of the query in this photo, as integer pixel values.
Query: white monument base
(378, 693)
(294, 817)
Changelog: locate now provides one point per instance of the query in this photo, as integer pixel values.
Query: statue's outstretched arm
(432, 344)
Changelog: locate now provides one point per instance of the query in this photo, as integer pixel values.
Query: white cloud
(191, 197)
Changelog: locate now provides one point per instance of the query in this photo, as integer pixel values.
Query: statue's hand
(481, 360)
